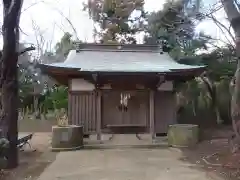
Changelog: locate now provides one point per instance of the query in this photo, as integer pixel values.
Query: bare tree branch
(31, 5)
(67, 19)
(40, 42)
(31, 48)
(221, 26)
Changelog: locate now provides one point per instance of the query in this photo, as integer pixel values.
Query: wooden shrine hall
(120, 89)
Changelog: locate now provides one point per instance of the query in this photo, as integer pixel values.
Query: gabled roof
(124, 58)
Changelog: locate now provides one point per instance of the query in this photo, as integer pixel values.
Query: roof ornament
(124, 98)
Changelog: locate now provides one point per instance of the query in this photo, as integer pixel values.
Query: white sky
(46, 15)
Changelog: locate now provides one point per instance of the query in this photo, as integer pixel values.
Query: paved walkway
(122, 164)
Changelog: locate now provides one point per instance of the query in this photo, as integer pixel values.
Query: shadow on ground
(31, 165)
(32, 161)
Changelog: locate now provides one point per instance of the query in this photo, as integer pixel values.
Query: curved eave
(189, 71)
(46, 69)
(185, 74)
(61, 74)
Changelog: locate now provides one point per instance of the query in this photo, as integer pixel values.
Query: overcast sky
(46, 15)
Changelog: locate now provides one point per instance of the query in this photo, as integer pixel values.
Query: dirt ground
(32, 161)
(212, 155)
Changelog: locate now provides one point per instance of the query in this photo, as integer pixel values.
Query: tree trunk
(234, 18)
(9, 77)
(213, 95)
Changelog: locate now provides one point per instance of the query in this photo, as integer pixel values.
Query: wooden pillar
(99, 114)
(151, 114)
(69, 113)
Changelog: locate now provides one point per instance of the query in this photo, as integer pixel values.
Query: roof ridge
(117, 47)
(118, 50)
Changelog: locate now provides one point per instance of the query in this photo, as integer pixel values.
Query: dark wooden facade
(83, 110)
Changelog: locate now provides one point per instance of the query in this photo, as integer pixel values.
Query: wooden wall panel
(164, 111)
(82, 110)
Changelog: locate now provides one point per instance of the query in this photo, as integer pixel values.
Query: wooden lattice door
(125, 107)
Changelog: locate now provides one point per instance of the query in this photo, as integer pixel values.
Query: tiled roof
(121, 60)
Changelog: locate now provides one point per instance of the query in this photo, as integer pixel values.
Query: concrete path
(122, 164)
